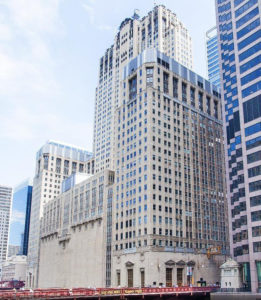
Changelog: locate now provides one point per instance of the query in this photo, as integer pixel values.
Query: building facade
(20, 216)
(160, 29)
(75, 248)
(170, 205)
(14, 268)
(54, 162)
(6, 194)
(239, 34)
(212, 56)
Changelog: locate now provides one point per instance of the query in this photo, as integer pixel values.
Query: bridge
(111, 293)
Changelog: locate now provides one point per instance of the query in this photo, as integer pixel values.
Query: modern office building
(160, 29)
(55, 161)
(239, 34)
(6, 194)
(212, 56)
(20, 216)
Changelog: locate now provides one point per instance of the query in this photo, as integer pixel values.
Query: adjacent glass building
(239, 34)
(20, 216)
(212, 56)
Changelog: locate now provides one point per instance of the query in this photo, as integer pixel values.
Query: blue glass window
(251, 76)
(237, 2)
(253, 143)
(247, 17)
(250, 51)
(245, 7)
(248, 28)
(253, 37)
(251, 89)
(250, 64)
(252, 109)
(253, 129)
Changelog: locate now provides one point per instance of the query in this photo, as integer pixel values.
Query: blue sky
(49, 54)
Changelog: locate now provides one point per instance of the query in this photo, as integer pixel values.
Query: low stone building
(230, 275)
(75, 247)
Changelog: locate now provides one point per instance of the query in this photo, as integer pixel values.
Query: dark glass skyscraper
(20, 216)
(239, 34)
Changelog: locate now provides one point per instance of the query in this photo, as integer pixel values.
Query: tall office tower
(170, 206)
(160, 29)
(212, 56)
(239, 34)
(54, 162)
(20, 216)
(5, 208)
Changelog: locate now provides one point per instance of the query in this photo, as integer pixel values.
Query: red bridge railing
(100, 292)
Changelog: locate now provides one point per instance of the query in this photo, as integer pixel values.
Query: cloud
(17, 217)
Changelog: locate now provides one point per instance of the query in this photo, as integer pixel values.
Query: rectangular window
(253, 143)
(250, 52)
(200, 101)
(165, 82)
(253, 157)
(253, 129)
(175, 87)
(250, 64)
(192, 96)
(255, 186)
(256, 216)
(255, 201)
(251, 89)
(184, 92)
(257, 246)
(149, 76)
(252, 172)
(252, 108)
(133, 88)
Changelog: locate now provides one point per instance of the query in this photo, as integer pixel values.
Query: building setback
(55, 161)
(5, 209)
(239, 34)
(160, 29)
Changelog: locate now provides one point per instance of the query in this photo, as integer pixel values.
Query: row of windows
(248, 28)
(251, 76)
(256, 215)
(253, 157)
(250, 51)
(237, 2)
(245, 7)
(253, 129)
(247, 17)
(250, 64)
(255, 201)
(247, 41)
(251, 89)
(253, 143)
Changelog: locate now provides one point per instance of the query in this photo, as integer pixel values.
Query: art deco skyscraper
(239, 34)
(160, 29)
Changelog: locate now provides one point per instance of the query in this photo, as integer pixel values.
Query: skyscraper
(239, 34)
(55, 161)
(20, 216)
(160, 29)
(212, 56)
(165, 145)
(5, 208)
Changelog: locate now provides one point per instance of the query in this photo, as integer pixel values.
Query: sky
(49, 57)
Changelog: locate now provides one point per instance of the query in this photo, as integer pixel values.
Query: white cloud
(17, 217)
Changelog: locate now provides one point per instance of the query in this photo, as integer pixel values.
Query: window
(149, 76)
(133, 88)
(175, 87)
(252, 108)
(255, 201)
(254, 171)
(250, 51)
(247, 41)
(192, 96)
(250, 64)
(257, 246)
(255, 186)
(184, 92)
(253, 129)
(253, 143)
(252, 89)
(165, 82)
(200, 101)
(256, 216)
